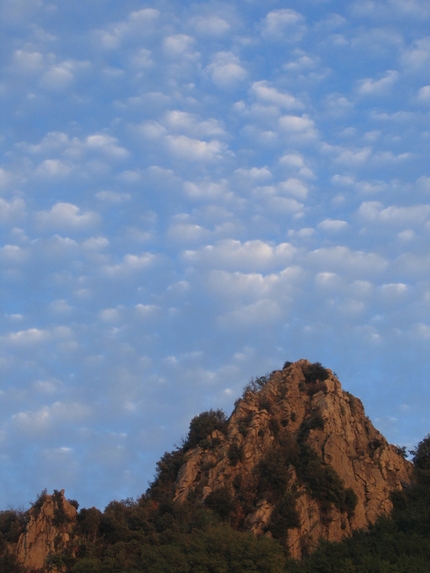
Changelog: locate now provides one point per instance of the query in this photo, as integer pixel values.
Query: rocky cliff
(298, 459)
(50, 523)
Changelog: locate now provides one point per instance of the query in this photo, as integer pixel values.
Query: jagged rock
(302, 414)
(48, 531)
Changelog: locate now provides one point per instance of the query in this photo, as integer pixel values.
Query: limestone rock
(48, 530)
(298, 410)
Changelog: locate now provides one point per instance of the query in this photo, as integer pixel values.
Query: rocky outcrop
(50, 523)
(299, 458)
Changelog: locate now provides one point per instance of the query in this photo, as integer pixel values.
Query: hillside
(296, 463)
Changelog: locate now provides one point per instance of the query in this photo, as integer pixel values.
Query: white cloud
(53, 168)
(187, 123)
(251, 255)
(28, 61)
(130, 264)
(301, 128)
(342, 260)
(211, 25)
(286, 25)
(184, 233)
(194, 149)
(178, 45)
(351, 157)
(373, 211)
(417, 57)
(105, 144)
(264, 92)
(264, 312)
(379, 87)
(297, 163)
(394, 290)
(207, 190)
(142, 59)
(12, 211)
(43, 419)
(139, 23)
(333, 225)
(424, 94)
(67, 216)
(13, 254)
(295, 187)
(226, 70)
(60, 307)
(27, 337)
(113, 197)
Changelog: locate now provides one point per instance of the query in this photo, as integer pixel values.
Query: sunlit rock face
(48, 531)
(299, 459)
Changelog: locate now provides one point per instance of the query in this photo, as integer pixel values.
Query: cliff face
(300, 459)
(50, 523)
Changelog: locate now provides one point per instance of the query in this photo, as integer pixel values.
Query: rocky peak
(50, 522)
(298, 459)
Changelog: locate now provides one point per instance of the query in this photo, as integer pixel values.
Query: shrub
(235, 453)
(203, 425)
(314, 422)
(40, 500)
(11, 525)
(256, 384)
(221, 502)
(314, 372)
(421, 454)
(284, 516)
(167, 470)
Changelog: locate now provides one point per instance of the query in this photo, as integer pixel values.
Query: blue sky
(190, 195)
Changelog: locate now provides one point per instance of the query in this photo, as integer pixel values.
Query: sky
(192, 194)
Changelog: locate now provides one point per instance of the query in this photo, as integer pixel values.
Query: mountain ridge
(297, 461)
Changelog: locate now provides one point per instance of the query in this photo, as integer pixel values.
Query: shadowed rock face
(48, 531)
(299, 425)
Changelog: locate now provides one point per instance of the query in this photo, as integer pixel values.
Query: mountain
(297, 462)
(301, 459)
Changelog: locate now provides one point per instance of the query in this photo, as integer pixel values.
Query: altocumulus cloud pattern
(191, 194)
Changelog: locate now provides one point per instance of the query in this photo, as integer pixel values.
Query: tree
(203, 425)
(421, 454)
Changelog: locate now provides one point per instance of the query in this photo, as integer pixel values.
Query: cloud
(417, 56)
(188, 123)
(264, 92)
(295, 187)
(250, 255)
(177, 46)
(130, 264)
(333, 225)
(370, 87)
(263, 312)
(297, 163)
(53, 168)
(13, 211)
(27, 337)
(375, 212)
(32, 423)
(140, 22)
(283, 25)
(424, 95)
(66, 216)
(113, 197)
(300, 128)
(344, 260)
(211, 25)
(191, 149)
(226, 71)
